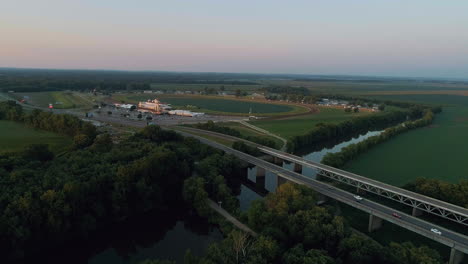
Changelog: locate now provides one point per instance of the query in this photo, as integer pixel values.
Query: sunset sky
(425, 38)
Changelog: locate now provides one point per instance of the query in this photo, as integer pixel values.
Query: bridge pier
(297, 168)
(374, 223)
(416, 212)
(277, 161)
(456, 257)
(260, 172)
(280, 180)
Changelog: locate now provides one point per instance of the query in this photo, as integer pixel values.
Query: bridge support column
(260, 172)
(456, 257)
(297, 168)
(416, 212)
(374, 223)
(277, 161)
(280, 180)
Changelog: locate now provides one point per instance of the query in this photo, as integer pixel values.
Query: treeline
(27, 80)
(291, 94)
(293, 230)
(454, 193)
(212, 126)
(339, 159)
(366, 100)
(326, 131)
(82, 132)
(46, 201)
(209, 182)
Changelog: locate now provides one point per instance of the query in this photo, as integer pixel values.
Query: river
(251, 190)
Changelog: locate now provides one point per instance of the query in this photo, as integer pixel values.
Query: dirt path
(231, 218)
(261, 130)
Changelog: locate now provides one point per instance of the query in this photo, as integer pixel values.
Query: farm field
(201, 86)
(16, 136)
(60, 100)
(299, 125)
(438, 151)
(355, 87)
(218, 105)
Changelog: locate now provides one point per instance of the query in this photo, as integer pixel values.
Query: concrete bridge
(377, 212)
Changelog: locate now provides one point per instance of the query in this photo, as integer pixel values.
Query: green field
(250, 132)
(438, 151)
(16, 136)
(61, 100)
(300, 125)
(217, 105)
(202, 86)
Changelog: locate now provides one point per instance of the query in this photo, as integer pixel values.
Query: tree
(139, 116)
(38, 152)
(109, 112)
(356, 109)
(238, 93)
(382, 107)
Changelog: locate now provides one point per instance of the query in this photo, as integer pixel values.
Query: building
(154, 106)
(185, 113)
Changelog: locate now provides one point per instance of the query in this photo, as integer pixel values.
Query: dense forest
(55, 199)
(293, 230)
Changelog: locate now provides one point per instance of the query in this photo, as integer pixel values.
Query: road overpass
(377, 212)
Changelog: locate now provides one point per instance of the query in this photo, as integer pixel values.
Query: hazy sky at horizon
(427, 38)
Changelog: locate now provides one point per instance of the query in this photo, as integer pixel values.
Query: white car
(434, 230)
(358, 198)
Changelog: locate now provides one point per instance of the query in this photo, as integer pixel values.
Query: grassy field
(299, 125)
(61, 100)
(438, 151)
(218, 105)
(16, 136)
(250, 132)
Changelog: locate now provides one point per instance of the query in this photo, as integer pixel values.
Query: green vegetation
(338, 159)
(60, 100)
(203, 87)
(211, 126)
(438, 151)
(16, 136)
(293, 230)
(248, 132)
(300, 125)
(220, 106)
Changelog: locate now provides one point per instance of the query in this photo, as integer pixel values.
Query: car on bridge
(396, 215)
(358, 198)
(434, 230)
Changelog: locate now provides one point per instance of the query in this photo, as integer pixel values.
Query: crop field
(61, 100)
(16, 136)
(217, 105)
(201, 87)
(438, 151)
(300, 125)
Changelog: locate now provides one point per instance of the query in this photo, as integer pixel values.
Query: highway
(448, 237)
(437, 207)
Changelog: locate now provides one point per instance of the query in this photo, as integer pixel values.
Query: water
(247, 195)
(154, 235)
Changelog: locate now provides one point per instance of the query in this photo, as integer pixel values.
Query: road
(379, 188)
(448, 237)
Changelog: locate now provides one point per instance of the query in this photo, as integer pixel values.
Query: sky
(417, 38)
